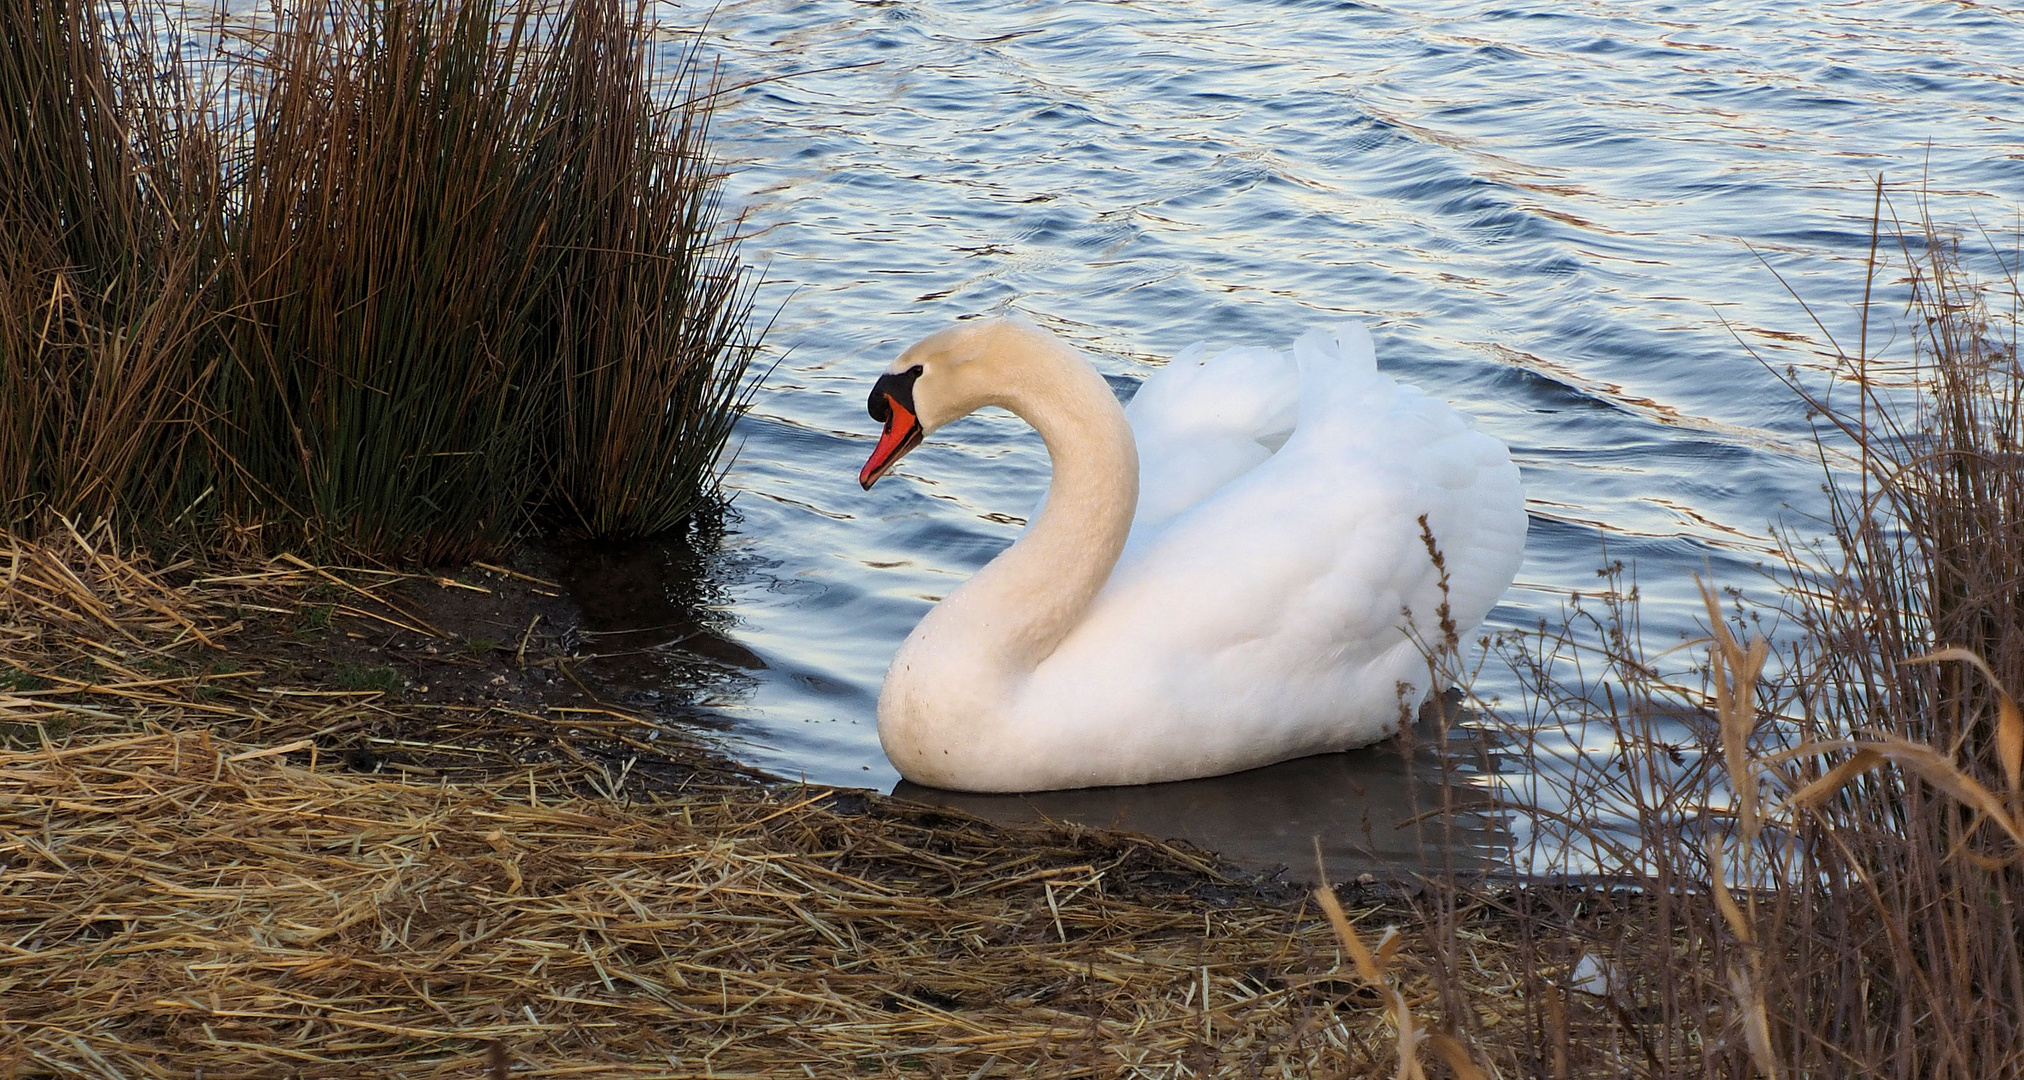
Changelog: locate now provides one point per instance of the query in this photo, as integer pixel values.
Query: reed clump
(1802, 855)
(401, 278)
(108, 191)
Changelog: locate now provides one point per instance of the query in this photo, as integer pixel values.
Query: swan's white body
(1219, 577)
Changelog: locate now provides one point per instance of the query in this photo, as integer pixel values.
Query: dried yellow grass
(175, 901)
(91, 635)
(191, 883)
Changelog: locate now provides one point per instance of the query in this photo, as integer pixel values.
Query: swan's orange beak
(902, 433)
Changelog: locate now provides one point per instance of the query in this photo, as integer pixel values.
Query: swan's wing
(1354, 417)
(1201, 422)
(1272, 611)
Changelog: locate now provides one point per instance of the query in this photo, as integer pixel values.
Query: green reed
(108, 208)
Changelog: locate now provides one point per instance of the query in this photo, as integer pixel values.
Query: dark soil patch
(473, 669)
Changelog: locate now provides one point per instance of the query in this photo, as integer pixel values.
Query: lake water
(1563, 218)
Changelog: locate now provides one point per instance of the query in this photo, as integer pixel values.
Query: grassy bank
(310, 922)
(400, 279)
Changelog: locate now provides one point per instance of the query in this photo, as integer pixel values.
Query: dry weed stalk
(1734, 670)
(1377, 968)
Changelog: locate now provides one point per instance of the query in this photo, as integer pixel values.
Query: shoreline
(213, 847)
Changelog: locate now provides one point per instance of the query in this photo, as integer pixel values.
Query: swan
(1229, 573)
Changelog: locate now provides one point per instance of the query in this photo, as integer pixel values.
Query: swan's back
(1201, 422)
(1259, 611)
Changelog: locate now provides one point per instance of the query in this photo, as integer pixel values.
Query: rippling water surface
(1563, 218)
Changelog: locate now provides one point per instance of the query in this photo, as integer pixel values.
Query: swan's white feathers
(1271, 611)
(1200, 423)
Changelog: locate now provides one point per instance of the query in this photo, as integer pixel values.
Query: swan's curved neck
(1013, 612)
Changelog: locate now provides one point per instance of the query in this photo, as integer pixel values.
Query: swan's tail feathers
(1346, 347)
(1348, 343)
(1239, 392)
(1336, 367)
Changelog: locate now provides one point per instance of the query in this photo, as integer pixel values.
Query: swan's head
(946, 376)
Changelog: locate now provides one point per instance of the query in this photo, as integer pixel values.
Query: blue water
(1563, 218)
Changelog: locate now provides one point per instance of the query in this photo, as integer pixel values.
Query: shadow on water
(1358, 807)
(657, 630)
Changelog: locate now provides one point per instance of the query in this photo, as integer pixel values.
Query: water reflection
(658, 632)
(1367, 810)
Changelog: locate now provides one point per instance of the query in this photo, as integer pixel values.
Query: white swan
(1219, 575)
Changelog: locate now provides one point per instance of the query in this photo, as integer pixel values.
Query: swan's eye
(891, 387)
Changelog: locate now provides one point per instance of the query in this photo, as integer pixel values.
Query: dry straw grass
(179, 902)
(176, 900)
(99, 639)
